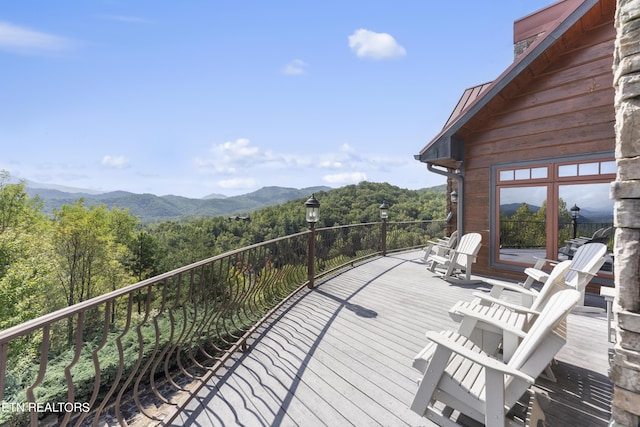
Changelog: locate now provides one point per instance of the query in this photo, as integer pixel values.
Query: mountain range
(152, 208)
(586, 215)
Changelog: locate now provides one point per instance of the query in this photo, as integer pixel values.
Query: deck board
(341, 355)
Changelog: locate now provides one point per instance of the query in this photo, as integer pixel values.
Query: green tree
(144, 251)
(16, 207)
(88, 253)
(26, 281)
(26, 270)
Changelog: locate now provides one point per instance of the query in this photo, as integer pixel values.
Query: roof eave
(525, 60)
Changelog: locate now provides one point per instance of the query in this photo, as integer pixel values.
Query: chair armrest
(439, 245)
(511, 306)
(586, 273)
(479, 358)
(512, 287)
(536, 274)
(506, 328)
(542, 261)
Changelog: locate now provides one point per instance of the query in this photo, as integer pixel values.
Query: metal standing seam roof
(475, 98)
(467, 98)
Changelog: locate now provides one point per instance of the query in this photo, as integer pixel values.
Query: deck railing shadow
(298, 334)
(138, 354)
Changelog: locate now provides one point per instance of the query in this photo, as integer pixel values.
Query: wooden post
(312, 255)
(384, 237)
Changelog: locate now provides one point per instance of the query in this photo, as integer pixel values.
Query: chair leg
(429, 381)
(450, 269)
(548, 374)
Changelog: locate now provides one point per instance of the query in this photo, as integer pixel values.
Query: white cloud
(233, 156)
(237, 183)
(240, 164)
(346, 148)
(115, 162)
(345, 178)
(24, 40)
(238, 150)
(296, 67)
(369, 44)
(330, 164)
(211, 165)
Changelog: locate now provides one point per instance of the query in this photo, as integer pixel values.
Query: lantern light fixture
(575, 211)
(384, 210)
(313, 209)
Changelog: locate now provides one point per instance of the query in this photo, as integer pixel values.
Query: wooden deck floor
(341, 355)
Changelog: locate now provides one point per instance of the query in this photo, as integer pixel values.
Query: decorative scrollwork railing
(137, 354)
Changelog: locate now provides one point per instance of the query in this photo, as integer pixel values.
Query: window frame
(553, 181)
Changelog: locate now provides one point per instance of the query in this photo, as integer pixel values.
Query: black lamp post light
(313, 210)
(312, 206)
(384, 215)
(575, 214)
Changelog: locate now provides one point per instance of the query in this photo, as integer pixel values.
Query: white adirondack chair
(441, 246)
(586, 263)
(494, 323)
(458, 374)
(461, 258)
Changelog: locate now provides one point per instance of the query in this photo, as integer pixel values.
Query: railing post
(384, 237)
(312, 255)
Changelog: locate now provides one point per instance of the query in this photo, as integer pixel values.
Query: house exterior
(523, 150)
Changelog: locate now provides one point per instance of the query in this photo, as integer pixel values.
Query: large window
(536, 209)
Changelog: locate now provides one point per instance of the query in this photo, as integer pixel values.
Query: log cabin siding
(562, 106)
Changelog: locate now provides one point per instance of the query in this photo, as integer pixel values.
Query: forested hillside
(81, 250)
(151, 208)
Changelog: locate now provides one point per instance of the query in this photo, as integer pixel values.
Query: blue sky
(199, 97)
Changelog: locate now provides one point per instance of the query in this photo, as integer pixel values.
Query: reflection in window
(524, 173)
(538, 173)
(523, 224)
(595, 221)
(608, 167)
(525, 227)
(588, 169)
(567, 170)
(506, 175)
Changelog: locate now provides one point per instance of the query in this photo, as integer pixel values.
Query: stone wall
(522, 45)
(625, 365)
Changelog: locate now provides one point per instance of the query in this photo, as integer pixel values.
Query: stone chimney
(528, 29)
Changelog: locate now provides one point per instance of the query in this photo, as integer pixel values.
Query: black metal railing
(138, 354)
(533, 234)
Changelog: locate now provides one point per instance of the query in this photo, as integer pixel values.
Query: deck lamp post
(575, 214)
(384, 215)
(313, 213)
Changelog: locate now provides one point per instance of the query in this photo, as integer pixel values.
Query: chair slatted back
(453, 240)
(541, 343)
(588, 258)
(469, 245)
(554, 283)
